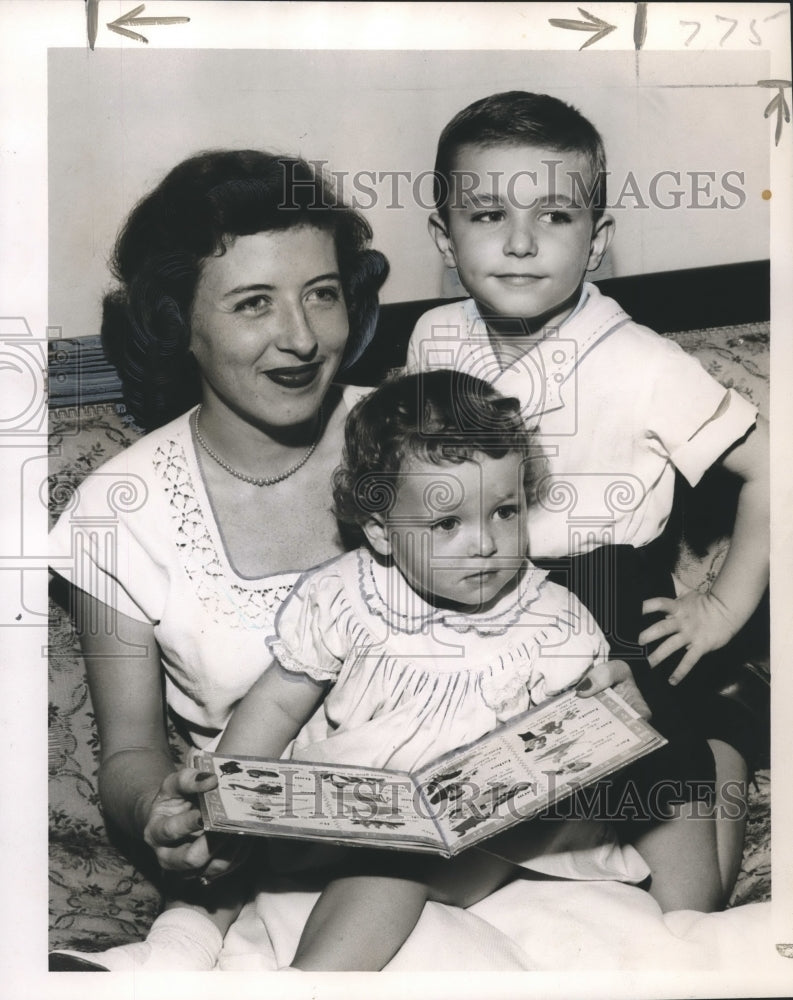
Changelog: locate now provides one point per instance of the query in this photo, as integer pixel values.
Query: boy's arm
(272, 713)
(704, 622)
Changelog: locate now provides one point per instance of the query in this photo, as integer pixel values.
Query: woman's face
(269, 325)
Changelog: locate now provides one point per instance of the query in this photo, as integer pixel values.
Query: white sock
(180, 939)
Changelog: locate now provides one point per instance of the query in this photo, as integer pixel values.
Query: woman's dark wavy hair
(440, 416)
(195, 213)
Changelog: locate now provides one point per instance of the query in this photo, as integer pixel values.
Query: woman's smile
(269, 326)
(294, 376)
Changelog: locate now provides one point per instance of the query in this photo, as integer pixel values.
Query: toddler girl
(420, 642)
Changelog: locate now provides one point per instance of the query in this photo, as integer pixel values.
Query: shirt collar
(538, 377)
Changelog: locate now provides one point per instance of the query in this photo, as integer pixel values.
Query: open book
(511, 774)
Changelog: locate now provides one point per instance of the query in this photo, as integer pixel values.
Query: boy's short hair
(442, 416)
(515, 118)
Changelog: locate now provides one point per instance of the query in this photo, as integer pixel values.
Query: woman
(244, 283)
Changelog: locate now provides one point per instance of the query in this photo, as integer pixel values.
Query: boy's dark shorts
(613, 582)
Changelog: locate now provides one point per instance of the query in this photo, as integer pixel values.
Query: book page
(532, 762)
(315, 801)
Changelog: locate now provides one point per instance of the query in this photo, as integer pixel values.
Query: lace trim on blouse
(289, 661)
(236, 605)
(420, 615)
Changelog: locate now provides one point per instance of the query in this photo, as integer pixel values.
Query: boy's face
(519, 232)
(457, 532)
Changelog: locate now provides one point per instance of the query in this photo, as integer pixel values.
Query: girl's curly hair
(194, 213)
(440, 416)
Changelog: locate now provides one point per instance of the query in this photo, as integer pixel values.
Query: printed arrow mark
(777, 104)
(92, 21)
(131, 17)
(640, 26)
(592, 23)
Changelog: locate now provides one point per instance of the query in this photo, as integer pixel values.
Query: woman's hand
(174, 829)
(696, 622)
(616, 674)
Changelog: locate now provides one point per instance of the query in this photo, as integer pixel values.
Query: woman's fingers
(187, 782)
(225, 860)
(197, 854)
(206, 857)
(177, 841)
(175, 828)
(603, 675)
(616, 674)
(225, 854)
(629, 692)
(174, 825)
(190, 857)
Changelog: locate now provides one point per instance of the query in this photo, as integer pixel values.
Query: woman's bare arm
(142, 791)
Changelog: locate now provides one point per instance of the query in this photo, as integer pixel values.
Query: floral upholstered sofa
(97, 896)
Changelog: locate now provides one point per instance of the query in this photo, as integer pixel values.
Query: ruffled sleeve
(311, 626)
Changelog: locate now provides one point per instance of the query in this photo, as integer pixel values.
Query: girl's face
(269, 325)
(457, 532)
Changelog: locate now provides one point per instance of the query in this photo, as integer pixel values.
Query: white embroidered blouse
(140, 536)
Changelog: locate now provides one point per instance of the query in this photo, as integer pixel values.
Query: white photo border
(28, 28)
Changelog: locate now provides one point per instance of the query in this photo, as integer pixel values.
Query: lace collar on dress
(404, 611)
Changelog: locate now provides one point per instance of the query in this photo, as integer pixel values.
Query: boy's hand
(696, 622)
(616, 674)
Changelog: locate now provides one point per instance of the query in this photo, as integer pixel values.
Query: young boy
(520, 192)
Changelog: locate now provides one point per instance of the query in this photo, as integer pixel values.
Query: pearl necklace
(265, 480)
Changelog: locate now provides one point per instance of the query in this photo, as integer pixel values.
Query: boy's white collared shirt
(616, 408)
